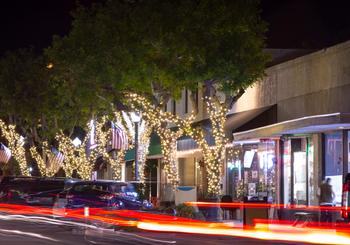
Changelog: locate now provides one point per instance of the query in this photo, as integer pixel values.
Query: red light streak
(262, 205)
(264, 229)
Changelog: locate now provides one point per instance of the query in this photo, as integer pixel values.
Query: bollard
(86, 211)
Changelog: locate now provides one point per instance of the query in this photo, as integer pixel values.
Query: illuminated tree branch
(16, 145)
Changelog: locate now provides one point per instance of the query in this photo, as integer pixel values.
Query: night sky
(310, 24)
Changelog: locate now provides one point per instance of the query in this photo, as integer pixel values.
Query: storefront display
(251, 170)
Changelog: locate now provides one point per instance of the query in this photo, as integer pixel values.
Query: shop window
(334, 162)
(299, 174)
(267, 168)
(253, 181)
(130, 171)
(299, 162)
(186, 171)
(234, 170)
(252, 171)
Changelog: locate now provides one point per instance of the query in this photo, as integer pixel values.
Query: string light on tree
(102, 141)
(41, 160)
(76, 157)
(16, 146)
(144, 131)
(213, 156)
(159, 121)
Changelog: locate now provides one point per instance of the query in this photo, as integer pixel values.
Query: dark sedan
(32, 190)
(105, 194)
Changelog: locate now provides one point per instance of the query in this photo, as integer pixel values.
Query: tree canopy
(158, 47)
(33, 99)
(25, 91)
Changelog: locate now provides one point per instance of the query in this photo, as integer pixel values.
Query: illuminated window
(334, 162)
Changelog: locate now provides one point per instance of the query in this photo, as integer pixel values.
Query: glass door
(334, 162)
(296, 163)
(300, 181)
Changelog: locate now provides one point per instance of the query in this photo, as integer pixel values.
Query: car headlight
(147, 204)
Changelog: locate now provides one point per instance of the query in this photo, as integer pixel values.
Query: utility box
(258, 212)
(185, 194)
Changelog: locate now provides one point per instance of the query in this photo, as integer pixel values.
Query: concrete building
(289, 130)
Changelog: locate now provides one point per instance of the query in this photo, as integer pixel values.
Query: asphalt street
(35, 230)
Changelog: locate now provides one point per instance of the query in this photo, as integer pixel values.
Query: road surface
(22, 230)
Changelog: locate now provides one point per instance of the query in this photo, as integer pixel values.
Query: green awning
(153, 149)
(129, 155)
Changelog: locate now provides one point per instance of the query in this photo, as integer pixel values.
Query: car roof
(101, 182)
(36, 178)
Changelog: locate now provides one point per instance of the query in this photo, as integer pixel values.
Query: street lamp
(135, 118)
(76, 142)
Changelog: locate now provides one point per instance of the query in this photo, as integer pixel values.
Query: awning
(304, 125)
(154, 149)
(248, 119)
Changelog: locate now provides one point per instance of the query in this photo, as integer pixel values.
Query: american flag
(119, 138)
(92, 143)
(5, 153)
(55, 159)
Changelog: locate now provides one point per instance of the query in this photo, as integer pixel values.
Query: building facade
(309, 140)
(287, 133)
(290, 131)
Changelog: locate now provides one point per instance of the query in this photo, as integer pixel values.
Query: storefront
(305, 151)
(251, 169)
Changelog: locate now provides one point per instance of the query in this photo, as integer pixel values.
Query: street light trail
(262, 205)
(263, 229)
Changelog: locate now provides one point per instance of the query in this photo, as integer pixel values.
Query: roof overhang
(304, 125)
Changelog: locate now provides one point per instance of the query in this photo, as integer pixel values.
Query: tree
(156, 48)
(26, 98)
(35, 106)
(222, 46)
(24, 90)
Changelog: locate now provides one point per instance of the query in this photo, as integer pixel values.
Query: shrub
(185, 211)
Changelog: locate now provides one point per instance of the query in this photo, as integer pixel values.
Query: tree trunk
(168, 141)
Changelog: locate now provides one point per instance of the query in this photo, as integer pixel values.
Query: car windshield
(129, 190)
(32, 185)
(48, 185)
(19, 184)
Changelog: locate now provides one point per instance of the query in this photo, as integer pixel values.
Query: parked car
(15, 189)
(46, 191)
(105, 194)
(32, 190)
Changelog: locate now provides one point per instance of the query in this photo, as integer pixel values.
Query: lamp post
(136, 119)
(76, 142)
